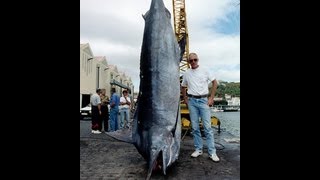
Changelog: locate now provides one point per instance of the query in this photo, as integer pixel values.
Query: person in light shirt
(96, 112)
(198, 100)
(124, 109)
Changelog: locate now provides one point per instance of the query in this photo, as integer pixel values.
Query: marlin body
(156, 130)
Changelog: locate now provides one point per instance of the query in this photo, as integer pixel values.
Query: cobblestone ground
(102, 157)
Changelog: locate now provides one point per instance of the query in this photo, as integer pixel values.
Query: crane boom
(181, 30)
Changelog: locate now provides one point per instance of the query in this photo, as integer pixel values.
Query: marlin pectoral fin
(168, 13)
(174, 130)
(145, 15)
(124, 135)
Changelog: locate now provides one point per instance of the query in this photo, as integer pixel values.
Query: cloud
(114, 29)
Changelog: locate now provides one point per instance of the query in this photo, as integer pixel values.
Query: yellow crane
(181, 31)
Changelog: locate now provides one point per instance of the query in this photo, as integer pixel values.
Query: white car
(85, 112)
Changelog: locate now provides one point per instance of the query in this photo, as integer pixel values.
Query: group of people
(100, 111)
(119, 105)
(196, 96)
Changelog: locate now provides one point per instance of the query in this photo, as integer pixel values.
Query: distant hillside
(231, 88)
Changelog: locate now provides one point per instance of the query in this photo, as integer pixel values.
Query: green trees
(230, 88)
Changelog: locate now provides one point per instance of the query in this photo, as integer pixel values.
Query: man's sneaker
(196, 153)
(97, 132)
(214, 158)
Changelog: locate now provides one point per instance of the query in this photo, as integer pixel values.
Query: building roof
(86, 48)
(100, 58)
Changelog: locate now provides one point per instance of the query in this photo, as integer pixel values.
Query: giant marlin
(156, 130)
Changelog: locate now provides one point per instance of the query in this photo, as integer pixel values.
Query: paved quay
(102, 157)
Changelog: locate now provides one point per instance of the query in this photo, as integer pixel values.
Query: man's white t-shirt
(197, 81)
(123, 100)
(95, 100)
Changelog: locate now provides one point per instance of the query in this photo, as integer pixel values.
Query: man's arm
(127, 101)
(99, 107)
(213, 92)
(99, 104)
(184, 94)
(112, 103)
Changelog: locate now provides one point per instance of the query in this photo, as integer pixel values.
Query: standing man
(114, 110)
(104, 111)
(96, 112)
(196, 79)
(125, 103)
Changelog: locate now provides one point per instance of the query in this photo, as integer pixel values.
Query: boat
(231, 109)
(216, 109)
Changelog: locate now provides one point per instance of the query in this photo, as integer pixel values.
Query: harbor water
(230, 122)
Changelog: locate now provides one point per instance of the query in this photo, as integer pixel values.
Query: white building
(103, 74)
(235, 101)
(120, 80)
(95, 72)
(87, 74)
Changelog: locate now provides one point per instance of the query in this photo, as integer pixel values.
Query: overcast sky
(114, 29)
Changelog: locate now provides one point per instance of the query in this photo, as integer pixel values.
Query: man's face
(193, 61)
